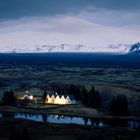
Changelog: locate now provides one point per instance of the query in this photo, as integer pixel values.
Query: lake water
(100, 123)
(57, 119)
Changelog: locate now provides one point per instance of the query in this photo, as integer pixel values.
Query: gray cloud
(63, 29)
(69, 21)
(112, 17)
(12, 9)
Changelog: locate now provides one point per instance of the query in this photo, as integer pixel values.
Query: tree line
(90, 98)
(119, 105)
(9, 98)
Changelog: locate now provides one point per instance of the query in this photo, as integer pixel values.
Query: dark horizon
(72, 59)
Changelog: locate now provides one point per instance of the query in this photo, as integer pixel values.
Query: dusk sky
(88, 22)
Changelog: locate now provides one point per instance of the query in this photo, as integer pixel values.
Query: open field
(37, 75)
(31, 77)
(68, 110)
(40, 71)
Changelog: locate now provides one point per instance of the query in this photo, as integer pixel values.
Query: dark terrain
(110, 74)
(43, 131)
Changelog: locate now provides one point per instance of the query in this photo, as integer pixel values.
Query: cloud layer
(85, 22)
(21, 8)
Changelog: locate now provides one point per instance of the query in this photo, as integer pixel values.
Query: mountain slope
(111, 48)
(135, 48)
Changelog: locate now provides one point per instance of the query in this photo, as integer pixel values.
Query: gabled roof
(60, 96)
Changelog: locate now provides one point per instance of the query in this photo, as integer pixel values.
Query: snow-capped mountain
(135, 48)
(111, 48)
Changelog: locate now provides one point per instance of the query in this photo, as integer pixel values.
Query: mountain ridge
(111, 48)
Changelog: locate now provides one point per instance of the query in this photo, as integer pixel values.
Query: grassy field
(36, 79)
(26, 77)
(68, 110)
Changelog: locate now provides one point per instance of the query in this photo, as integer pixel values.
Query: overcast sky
(69, 21)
